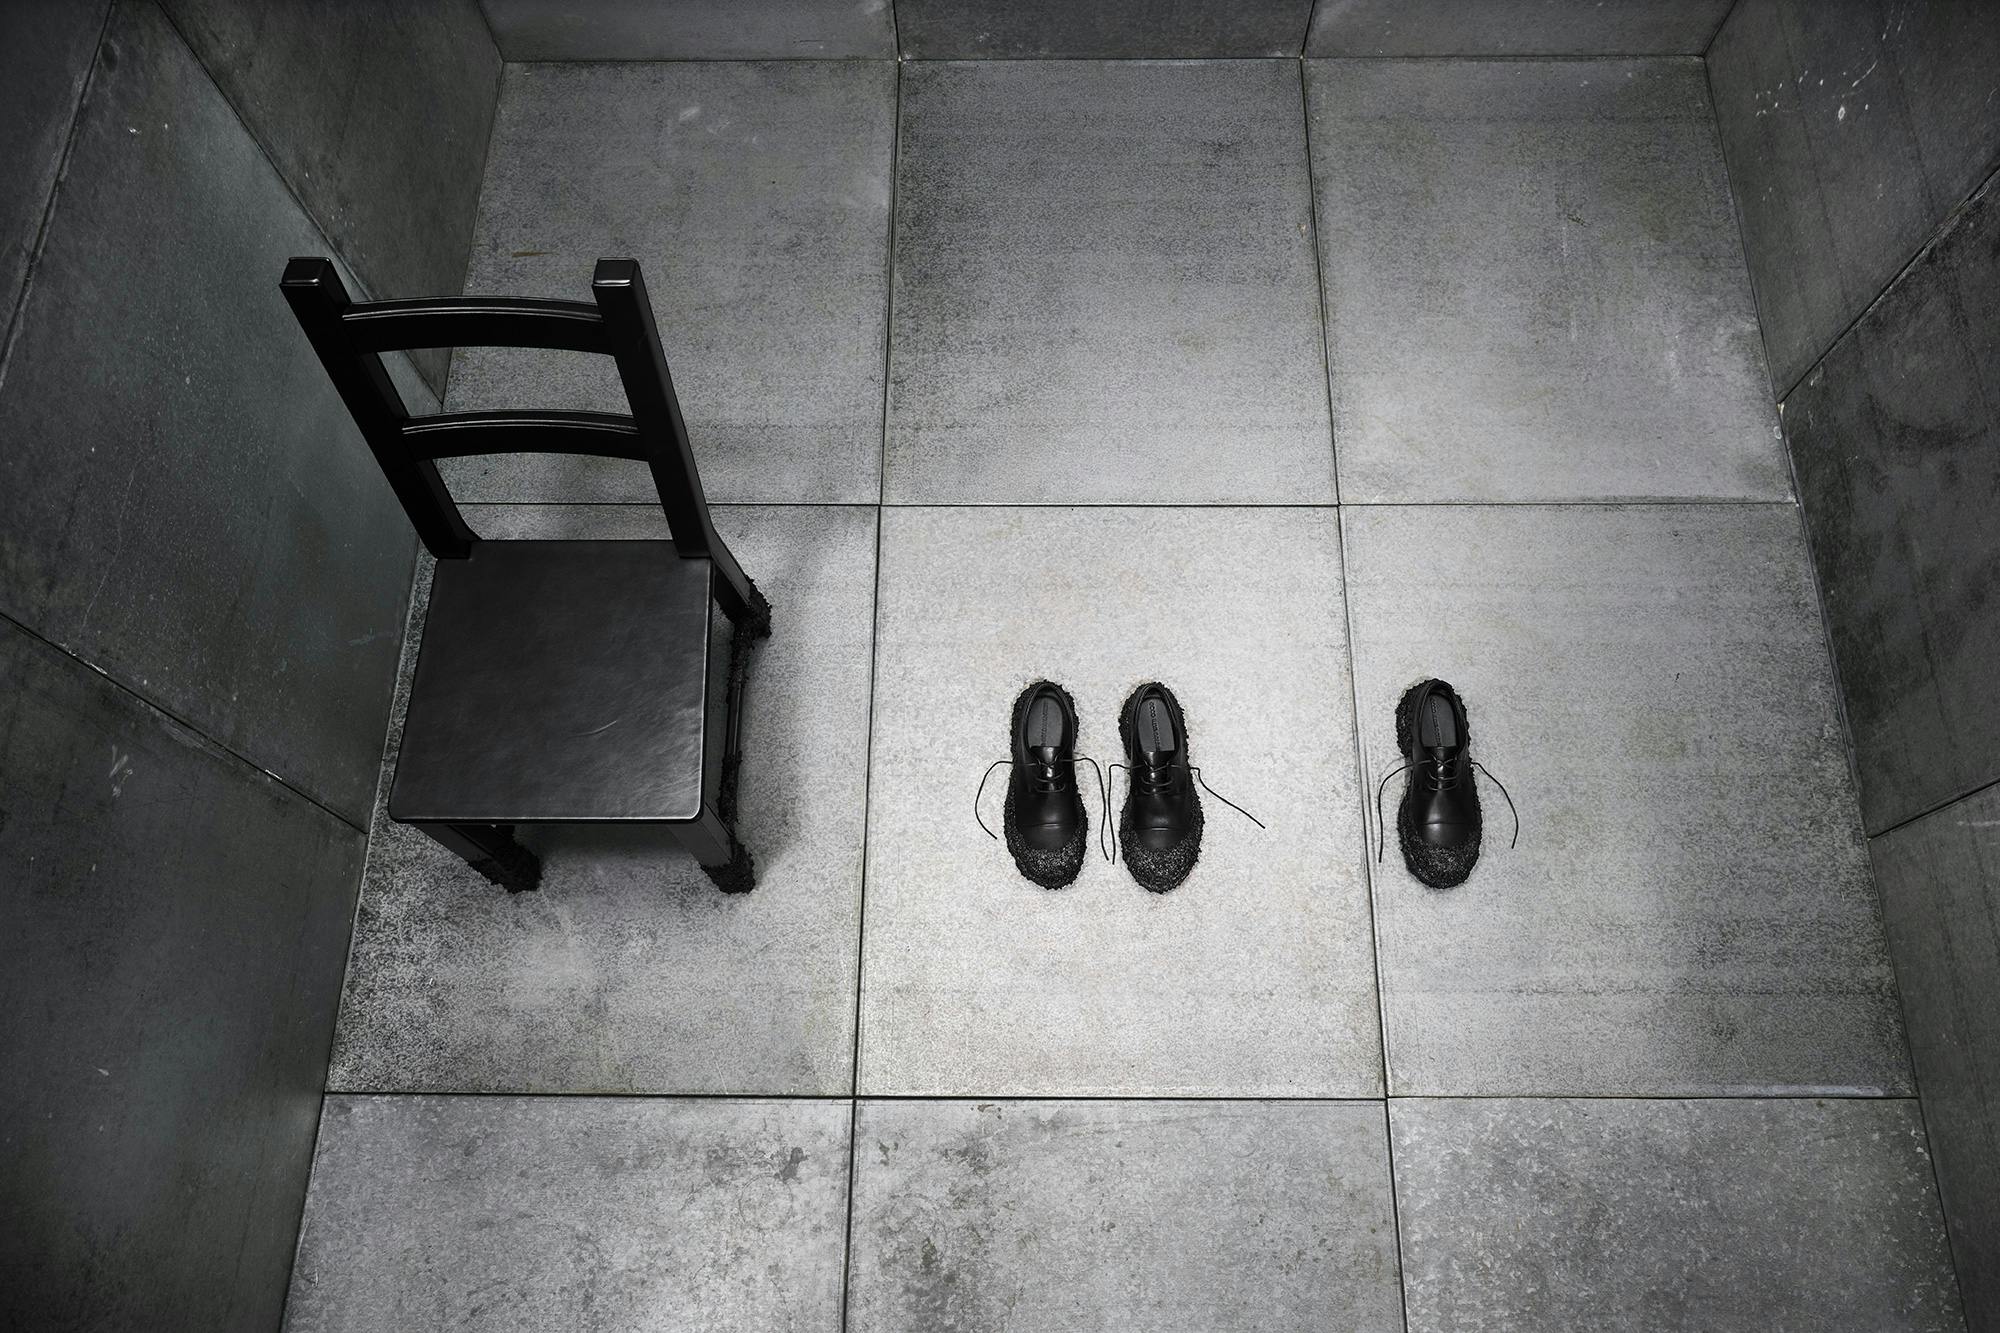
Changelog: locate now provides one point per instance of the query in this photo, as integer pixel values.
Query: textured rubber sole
(1158, 872)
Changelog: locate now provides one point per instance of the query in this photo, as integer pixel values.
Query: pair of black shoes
(1048, 833)
(1438, 822)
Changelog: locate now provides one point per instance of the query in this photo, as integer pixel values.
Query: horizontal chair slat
(474, 321)
(459, 434)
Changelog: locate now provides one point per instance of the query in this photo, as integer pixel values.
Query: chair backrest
(349, 337)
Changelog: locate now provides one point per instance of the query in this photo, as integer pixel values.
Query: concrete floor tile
(1534, 285)
(756, 198)
(1046, 1217)
(1656, 1216)
(1689, 910)
(1256, 976)
(627, 971)
(575, 1213)
(1104, 287)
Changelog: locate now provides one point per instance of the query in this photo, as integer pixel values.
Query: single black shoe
(1160, 826)
(1047, 831)
(1438, 821)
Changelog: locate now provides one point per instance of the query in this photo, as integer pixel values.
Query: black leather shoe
(1046, 828)
(1438, 821)
(1160, 827)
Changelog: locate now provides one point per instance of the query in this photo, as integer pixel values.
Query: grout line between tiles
(17, 313)
(153, 706)
(868, 741)
(1728, 13)
(1374, 919)
(1944, 227)
(1669, 503)
(1190, 1098)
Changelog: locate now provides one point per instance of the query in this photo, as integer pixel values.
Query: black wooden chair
(558, 682)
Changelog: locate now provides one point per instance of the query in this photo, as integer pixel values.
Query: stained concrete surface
(1114, 29)
(756, 198)
(495, 1213)
(1662, 1215)
(176, 923)
(189, 506)
(1534, 287)
(1895, 437)
(1047, 1216)
(1514, 27)
(1104, 287)
(1940, 884)
(692, 29)
(1689, 910)
(1852, 130)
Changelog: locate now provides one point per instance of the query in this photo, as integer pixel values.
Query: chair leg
(723, 859)
(491, 850)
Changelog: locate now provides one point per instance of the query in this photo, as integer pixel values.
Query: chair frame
(349, 338)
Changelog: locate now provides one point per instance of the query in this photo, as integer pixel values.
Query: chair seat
(566, 682)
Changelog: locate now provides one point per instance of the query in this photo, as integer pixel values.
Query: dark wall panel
(1514, 27)
(1940, 882)
(376, 112)
(691, 29)
(1895, 437)
(45, 50)
(187, 505)
(1852, 127)
(176, 924)
(1119, 29)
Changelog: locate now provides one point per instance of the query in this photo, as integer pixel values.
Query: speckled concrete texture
(1534, 285)
(1514, 27)
(756, 198)
(1104, 287)
(627, 971)
(1940, 881)
(1049, 1216)
(1852, 130)
(1689, 910)
(1256, 976)
(1656, 1216)
(692, 29)
(489, 1213)
(1118, 29)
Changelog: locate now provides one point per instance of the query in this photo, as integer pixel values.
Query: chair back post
(649, 390)
(319, 299)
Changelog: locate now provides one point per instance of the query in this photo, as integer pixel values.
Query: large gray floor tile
(575, 1213)
(1514, 27)
(1940, 881)
(1104, 287)
(1852, 129)
(1047, 1216)
(46, 49)
(377, 112)
(1895, 438)
(692, 29)
(756, 199)
(1721, 1215)
(170, 964)
(187, 505)
(1123, 29)
(1689, 909)
(1256, 975)
(1534, 286)
(628, 971)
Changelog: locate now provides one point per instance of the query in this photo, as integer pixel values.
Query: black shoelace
(1156, 779)
(1440, 779)
(1045, 778)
